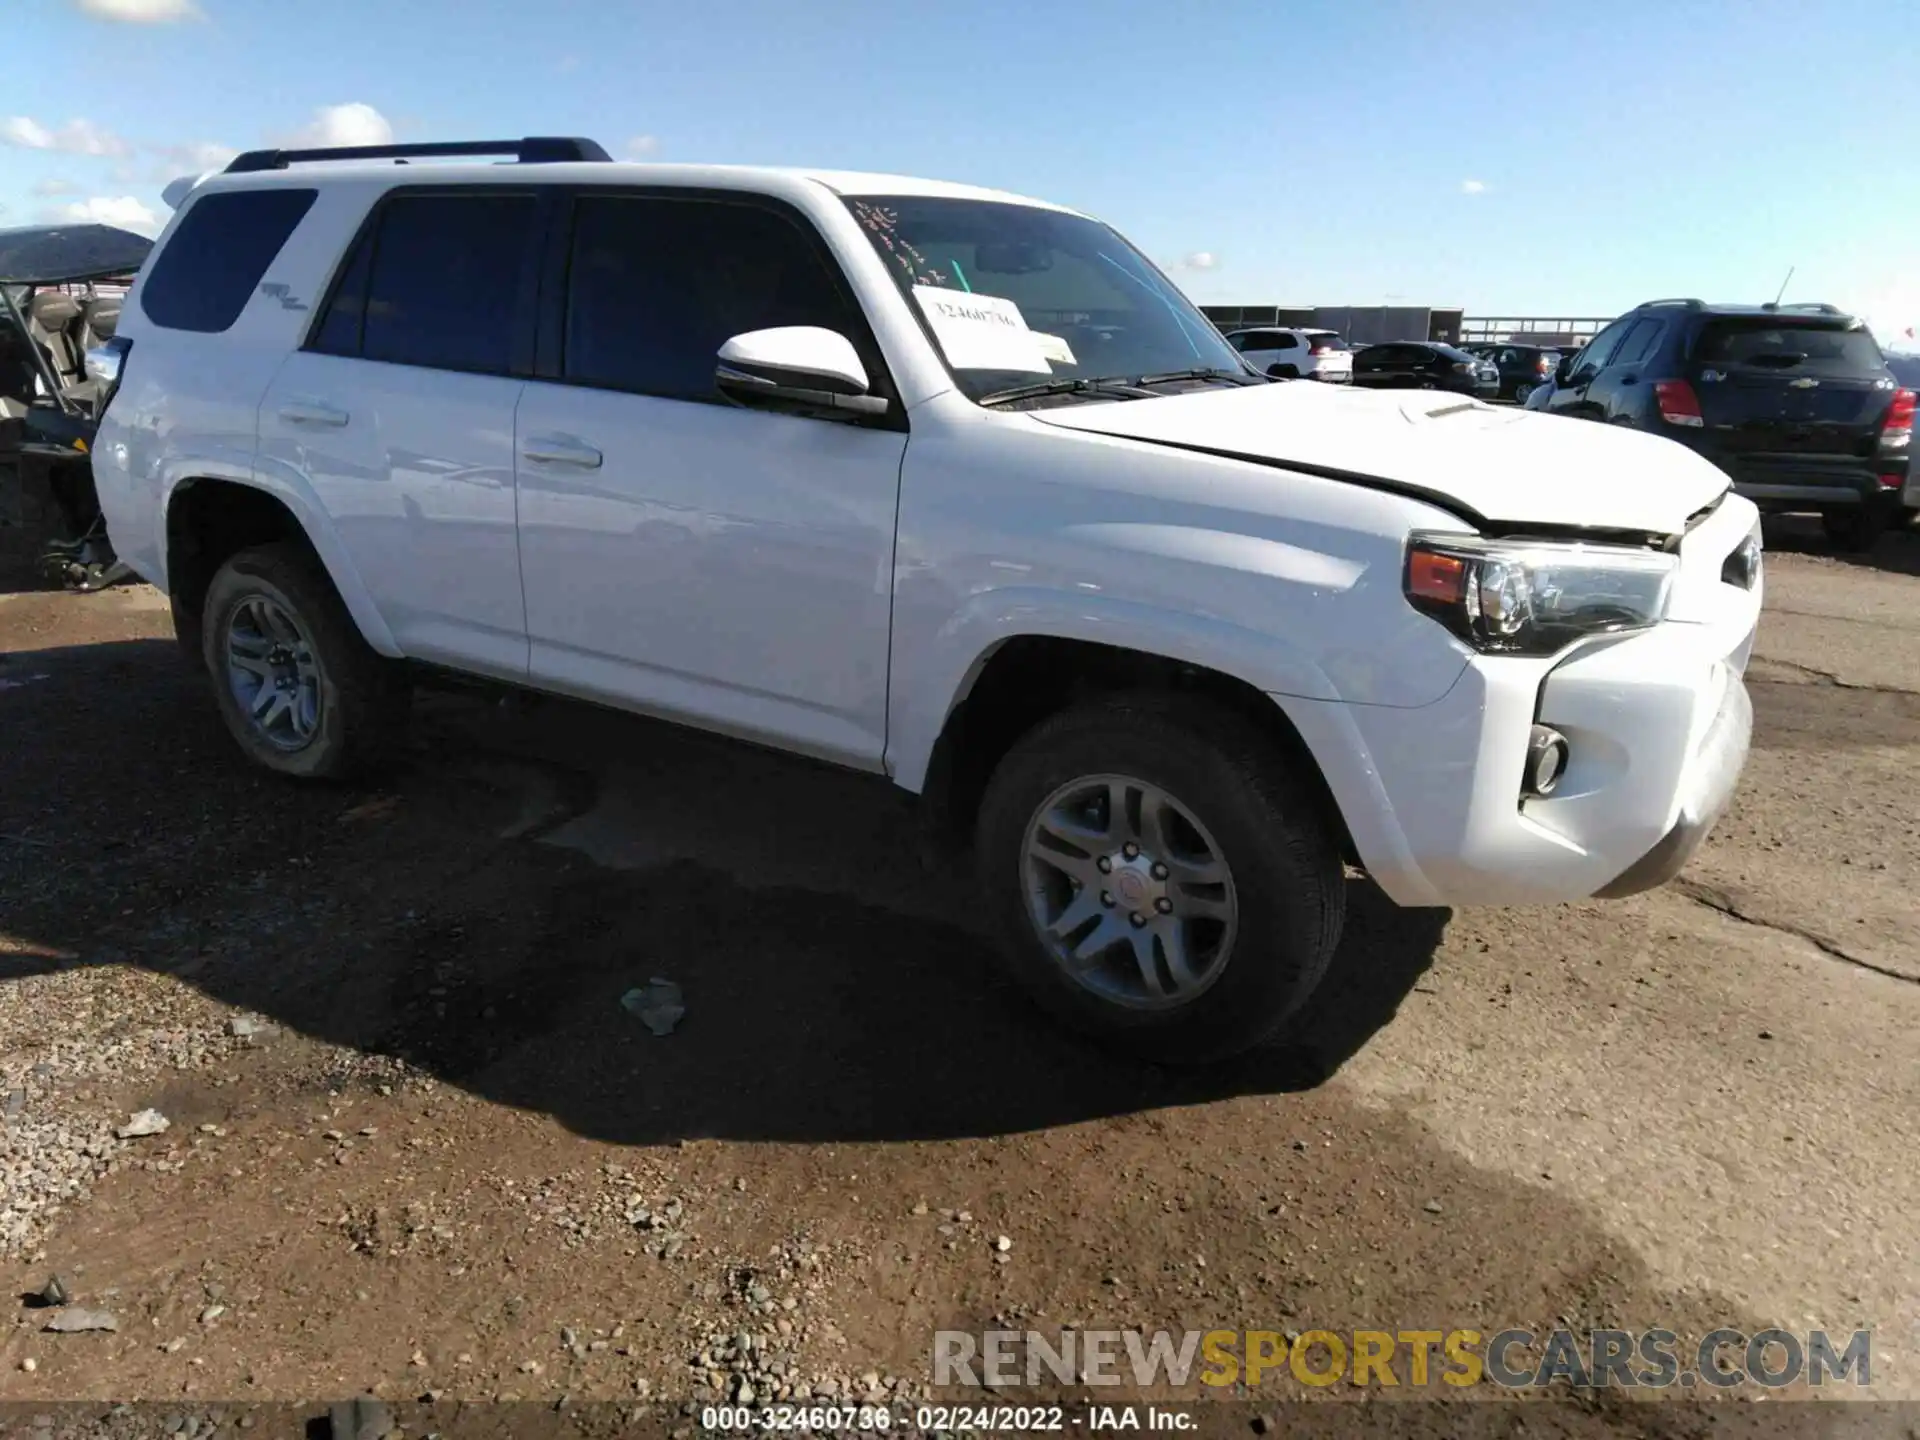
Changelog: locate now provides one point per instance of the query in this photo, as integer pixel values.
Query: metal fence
(1371, 324)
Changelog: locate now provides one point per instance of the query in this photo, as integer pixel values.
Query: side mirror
(796, 367)
(1563, 372)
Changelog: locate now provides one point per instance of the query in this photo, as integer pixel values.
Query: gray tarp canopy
(60, 254)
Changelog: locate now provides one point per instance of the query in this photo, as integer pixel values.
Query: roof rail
(1688, 304)
(531, 150)
(1818, 307)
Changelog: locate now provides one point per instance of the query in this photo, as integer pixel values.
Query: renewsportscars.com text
(1511, 1359)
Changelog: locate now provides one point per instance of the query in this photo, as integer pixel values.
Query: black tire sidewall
(1288, 880)
(265, 573)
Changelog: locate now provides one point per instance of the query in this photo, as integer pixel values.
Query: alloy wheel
(1128, 892)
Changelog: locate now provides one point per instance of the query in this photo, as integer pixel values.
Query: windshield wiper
(1204, 372)
(1124, 389)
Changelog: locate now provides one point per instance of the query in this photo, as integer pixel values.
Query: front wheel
(300, 690)
(1164, 882)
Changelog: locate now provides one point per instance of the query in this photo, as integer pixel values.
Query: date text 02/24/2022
(996, 1419)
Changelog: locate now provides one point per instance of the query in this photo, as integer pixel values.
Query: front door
(727, 567)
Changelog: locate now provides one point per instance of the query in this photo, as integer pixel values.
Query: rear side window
(206, 274)
(446, 280)
(1637, 343)
(1765, 343)
(657, 286)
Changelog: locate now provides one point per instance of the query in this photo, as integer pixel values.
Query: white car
(1296, 354)
(941, 484)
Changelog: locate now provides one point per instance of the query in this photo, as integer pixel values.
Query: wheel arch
(1023, 678)
(210, 517)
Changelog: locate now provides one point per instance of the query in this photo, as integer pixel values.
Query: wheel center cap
(1133, 885)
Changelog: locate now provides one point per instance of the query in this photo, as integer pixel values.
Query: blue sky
(1511, 159)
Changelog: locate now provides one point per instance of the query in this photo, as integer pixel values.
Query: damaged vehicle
(942, 484)
(61, 291)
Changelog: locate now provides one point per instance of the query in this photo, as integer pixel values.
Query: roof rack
(530, 150)
(1687, 304)
(1818, 307)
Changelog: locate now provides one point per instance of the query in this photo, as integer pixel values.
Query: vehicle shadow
(483, 915)
(1897, 553)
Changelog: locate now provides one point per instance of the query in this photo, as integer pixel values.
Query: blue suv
(1795, 402)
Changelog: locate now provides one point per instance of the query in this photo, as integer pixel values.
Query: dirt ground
(417, 1149)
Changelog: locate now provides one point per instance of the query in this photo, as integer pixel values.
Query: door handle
(559, 450)
(311, 412)
(1629, 379)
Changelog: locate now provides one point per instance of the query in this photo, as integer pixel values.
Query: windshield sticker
(1055, 349)
(981, 332)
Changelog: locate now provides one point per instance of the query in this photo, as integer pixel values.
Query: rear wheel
(1858, 530)
(1522, 391)
(300, 690)
(1163, 881)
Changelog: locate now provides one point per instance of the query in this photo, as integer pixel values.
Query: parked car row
(1289, 354)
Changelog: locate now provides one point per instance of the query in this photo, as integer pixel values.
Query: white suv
(943, 484)
(1296, 354)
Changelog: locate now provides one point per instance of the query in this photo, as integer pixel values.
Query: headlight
(1529, 597)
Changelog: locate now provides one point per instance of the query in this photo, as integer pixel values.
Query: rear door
(1780, 385)
(1272, 347)
(399, 411)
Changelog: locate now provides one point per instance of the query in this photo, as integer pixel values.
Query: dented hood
(1491, 464)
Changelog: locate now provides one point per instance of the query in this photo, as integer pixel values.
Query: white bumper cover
(1658, 724)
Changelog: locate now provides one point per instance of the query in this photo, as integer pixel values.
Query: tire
(1284, 888)
(1523, 391)
(1285, 372)
(357, 717)
(1857, 530)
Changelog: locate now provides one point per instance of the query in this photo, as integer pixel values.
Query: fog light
(1546, 761)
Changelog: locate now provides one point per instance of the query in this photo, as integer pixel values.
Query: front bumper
(1658, 725)
(1709, 789)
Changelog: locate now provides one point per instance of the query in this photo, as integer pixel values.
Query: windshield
(1824, 349)
(1014, 294)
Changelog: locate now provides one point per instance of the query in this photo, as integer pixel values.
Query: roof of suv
(1811, 311)
(601, 172)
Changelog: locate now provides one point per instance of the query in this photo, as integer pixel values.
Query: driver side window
(656, 286)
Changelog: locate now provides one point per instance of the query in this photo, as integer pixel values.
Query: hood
(66, 254)
(1494, 465)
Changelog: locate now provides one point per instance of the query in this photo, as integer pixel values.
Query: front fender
(932, 679)
(291, 489)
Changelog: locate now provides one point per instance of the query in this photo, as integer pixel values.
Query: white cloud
(125, 211)
(641, 146)
(48, 188)
(1473, 187)
(76, 137)
(1202, 260)
(140, 12)
(355, 123)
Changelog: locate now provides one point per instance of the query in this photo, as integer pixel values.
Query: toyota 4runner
(939, 483)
